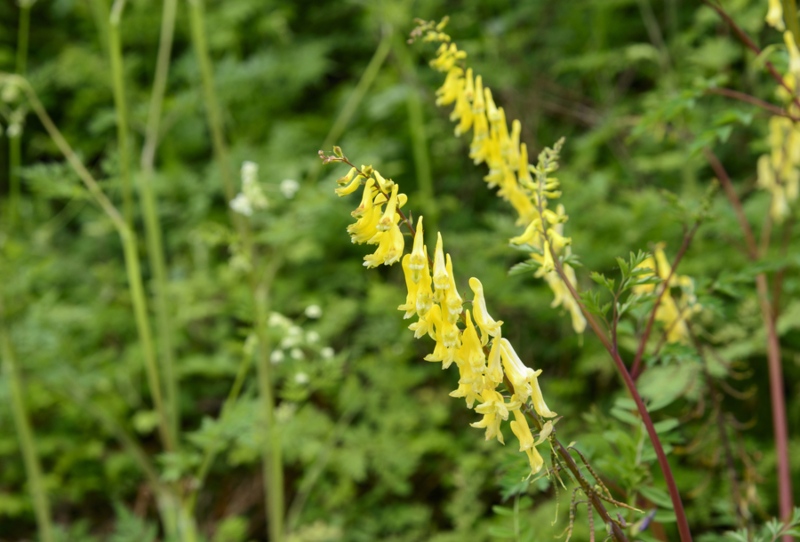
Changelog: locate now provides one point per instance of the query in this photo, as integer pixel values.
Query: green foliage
(373, 447)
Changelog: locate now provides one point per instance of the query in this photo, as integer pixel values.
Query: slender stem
(120, 104)
(776, 385)
(128, 238)
(675, 496)
(752, 100)
(353, 101)
(153, 233)
(15, 142)
(636, 368)
(197, 21)
(27, 441)
(271, 452)
(588, 489)
(750, 44)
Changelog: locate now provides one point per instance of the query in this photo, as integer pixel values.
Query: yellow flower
(489, 326)
(452, 301)
(522, 431)
(494, 411)
(515, 370)
(419, 258)
(775, 14)
(441, 279)
(471, 350)
(494, 370)
(390, 246)
(410, 306)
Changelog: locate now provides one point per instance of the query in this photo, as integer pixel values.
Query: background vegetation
(373, 447)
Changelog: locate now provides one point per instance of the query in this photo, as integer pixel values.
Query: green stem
(118, 85)
(271, 452)
(153, 234)
(351, 106)
(128, 238)
(197, 20)
(27, 441)
(15, 143)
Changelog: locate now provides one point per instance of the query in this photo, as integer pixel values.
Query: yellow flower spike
(452, 301)
(410, 306)
(389, 215)
(536, 396)
(469, 86)
(479, 99)
(489, 326)
(419, 258)
(494, 369)
(451, 339)
(774, 16)
(390, 247)
(515, 370)
(494, 411)
(441, 280)
(471, 350)
(523, 172)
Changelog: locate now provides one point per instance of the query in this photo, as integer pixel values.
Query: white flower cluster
(251, 197)
(295, 343)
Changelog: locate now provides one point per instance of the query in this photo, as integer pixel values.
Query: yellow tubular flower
(515, 370)
(390, 247)
(494, 369)
(424, 290)
(536, 396)
(410, 306)
(419, 258)
(388, 218)
(452, 301)
(471, 350)
(489, 326)
(441, 279)
(522, 431)
(774, 16)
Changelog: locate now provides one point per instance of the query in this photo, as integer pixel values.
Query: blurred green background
(373, 447)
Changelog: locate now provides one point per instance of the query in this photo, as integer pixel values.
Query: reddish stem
(752, 100)
(675, 496)
(776, 386)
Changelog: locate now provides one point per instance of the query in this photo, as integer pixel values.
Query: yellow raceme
(462, 337)
(525, 187)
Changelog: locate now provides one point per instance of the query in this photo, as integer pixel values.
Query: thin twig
(752, 100)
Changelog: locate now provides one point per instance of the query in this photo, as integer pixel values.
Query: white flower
(241, 205)
(327, 352)
(276, 319)
(276, 356)
(313, 311)
(289, 188)
(301, 378)
(297, 354)
(251, 197)
(312, 337)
